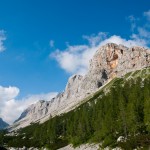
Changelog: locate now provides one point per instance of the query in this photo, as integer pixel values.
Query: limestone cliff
(108, 62)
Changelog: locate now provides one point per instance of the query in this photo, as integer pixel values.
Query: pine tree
(147, 105)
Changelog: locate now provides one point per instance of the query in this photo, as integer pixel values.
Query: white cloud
(133, 41)
(51, 43)
(8, 93)
(11, 108)
(72, 59)
(143, 32)
(147, 14)
(133, 22)
(2, 39)
(95, 39)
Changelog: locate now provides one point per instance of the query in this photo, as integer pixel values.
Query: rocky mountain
(3, 124)
(110, 61)
(116, 117)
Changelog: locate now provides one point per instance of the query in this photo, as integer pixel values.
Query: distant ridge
(3, 124)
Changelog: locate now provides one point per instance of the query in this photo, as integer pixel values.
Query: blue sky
(41, 36)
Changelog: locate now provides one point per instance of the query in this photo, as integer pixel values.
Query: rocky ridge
(110, 61)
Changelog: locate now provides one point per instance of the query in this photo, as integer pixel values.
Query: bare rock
(109, 61)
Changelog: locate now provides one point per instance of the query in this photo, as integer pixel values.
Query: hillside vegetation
(121, 108)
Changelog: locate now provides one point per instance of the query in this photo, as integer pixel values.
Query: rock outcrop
(109, 61)
(82, 147)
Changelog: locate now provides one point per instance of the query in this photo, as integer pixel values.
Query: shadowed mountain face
(3, 124)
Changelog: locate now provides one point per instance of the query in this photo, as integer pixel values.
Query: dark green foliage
(2, 133)
(123, 111)
(136, 141)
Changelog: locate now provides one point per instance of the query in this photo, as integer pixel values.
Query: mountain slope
(117, 115)
(110, 61)
(3, 124)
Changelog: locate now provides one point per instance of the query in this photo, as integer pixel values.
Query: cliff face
(112, 61)
(109, 61)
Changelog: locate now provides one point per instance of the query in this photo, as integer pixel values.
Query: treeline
(123, 111)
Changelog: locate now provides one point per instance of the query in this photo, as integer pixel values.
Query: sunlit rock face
(109, 61)
(114, 60)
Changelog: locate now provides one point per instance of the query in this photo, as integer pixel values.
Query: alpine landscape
(102, 85)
